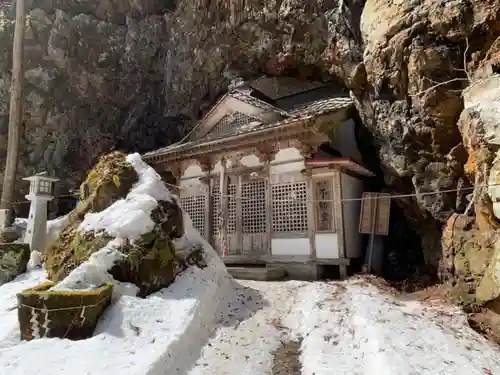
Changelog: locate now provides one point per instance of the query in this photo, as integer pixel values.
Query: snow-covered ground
(207, 323)
(345, 328)
(135, 337)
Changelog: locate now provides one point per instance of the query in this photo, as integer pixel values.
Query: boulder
(488, 289)
(148, 258)
(14, 258)
(470, 258)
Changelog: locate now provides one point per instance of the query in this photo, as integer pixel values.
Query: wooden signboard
(375, 213)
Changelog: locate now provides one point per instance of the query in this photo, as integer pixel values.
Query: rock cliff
(135, 74)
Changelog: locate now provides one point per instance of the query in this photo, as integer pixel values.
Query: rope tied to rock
(59, 308)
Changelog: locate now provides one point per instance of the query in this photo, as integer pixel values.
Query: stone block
(61, 314)
(5, 218)
(14, 258)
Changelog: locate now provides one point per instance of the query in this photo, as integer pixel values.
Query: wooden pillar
(207, 210)
(206, 167)
(224, 243)
(266, 154)
(239, 215)
(311, 214)
(339, 219)
(15, 115)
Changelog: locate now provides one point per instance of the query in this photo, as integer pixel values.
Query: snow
(35, 260)
(208, 323)
(346, 328)
(359, 330)
(131, 217)
(53, 226)
(125, 219)
(93, 273)
(153, 336)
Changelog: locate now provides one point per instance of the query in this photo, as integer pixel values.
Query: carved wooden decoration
(308, 150)
(205, 164)
(266, 153)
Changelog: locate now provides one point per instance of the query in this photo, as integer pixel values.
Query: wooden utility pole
(16, 109)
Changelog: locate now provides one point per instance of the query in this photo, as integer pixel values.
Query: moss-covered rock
(151, 262)
(14, 258)
(110, 180)
(469, 255)
(72, 315)
(489, 286)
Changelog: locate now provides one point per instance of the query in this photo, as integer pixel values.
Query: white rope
(61, 308)
(385, 196)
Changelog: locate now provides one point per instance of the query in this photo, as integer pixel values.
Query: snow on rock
(93, 273)
(35, 260)
(128, 218)
(158, 335)
(131, 217)
(53, 227)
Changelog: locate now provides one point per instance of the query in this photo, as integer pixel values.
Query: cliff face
(93, 82)
(135, 74)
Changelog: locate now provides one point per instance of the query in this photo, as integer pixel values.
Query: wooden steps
(257, 273)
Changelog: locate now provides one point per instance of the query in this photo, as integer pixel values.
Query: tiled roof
(243, 97)
(281, 87)
(302, 112)
(256, 102)
(321, 106)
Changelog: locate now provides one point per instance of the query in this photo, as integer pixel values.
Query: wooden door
(254, 216)
(232, 237)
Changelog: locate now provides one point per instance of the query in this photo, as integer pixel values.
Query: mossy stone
(14, 258)
(72, 315)
(151, 261)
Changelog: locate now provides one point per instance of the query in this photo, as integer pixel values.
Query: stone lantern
(41, 187)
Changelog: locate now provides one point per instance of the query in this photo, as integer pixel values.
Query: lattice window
(195, 208)
(323, 192)
(228, 122)
(289, 207)
(231, 191)
(253, 207)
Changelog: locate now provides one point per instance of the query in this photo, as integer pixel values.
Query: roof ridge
(239, 95)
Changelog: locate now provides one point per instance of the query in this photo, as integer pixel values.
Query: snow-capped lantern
(40, 194)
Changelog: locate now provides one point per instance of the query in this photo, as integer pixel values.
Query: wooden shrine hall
(285, 154)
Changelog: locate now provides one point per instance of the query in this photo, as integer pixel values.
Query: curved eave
(292, 127)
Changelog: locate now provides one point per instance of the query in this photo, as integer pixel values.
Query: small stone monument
(7, 232)
(40, 194)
